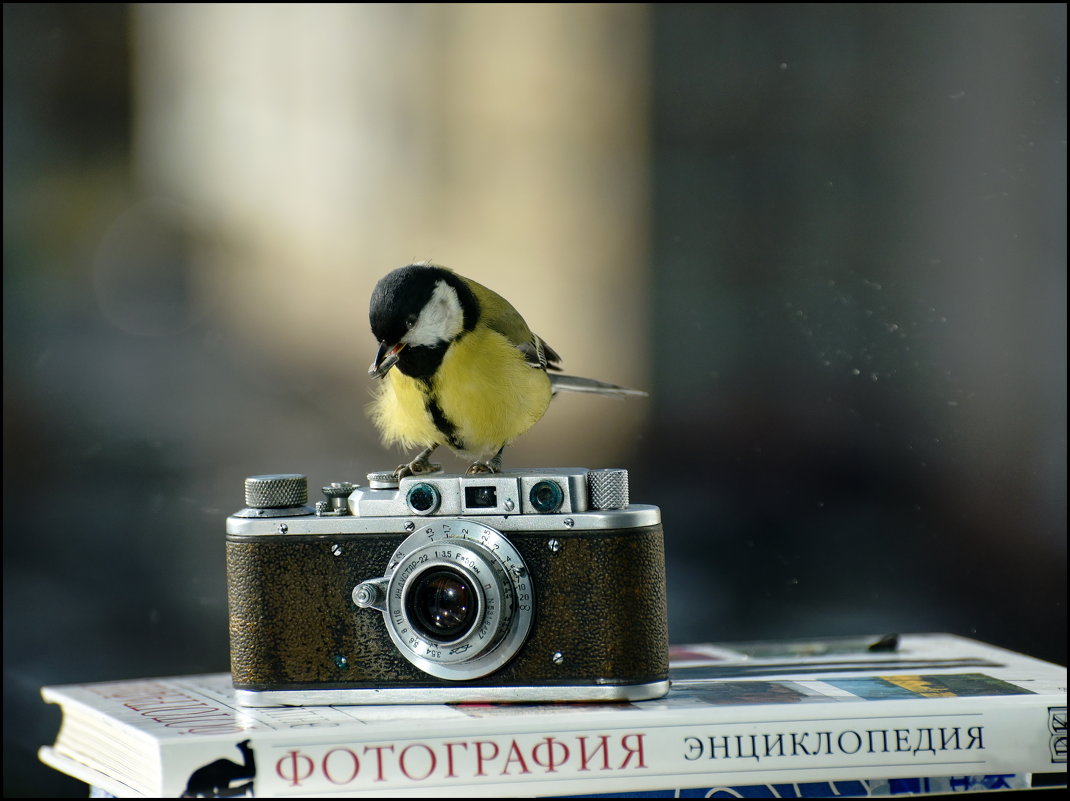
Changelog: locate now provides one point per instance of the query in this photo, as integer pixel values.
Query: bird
(458, 366)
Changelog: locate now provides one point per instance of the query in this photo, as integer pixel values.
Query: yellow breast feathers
(485, 392)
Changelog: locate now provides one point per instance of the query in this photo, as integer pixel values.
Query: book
(926, 707)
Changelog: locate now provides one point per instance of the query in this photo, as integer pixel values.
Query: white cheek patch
(440, 320)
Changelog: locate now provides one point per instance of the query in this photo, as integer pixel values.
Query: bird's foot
(416, 468)
(493, 466)
(420, 466)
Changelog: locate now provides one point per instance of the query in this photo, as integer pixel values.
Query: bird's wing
(500, 316)
(539, 354)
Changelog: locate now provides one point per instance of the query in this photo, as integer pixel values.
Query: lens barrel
(459, 600)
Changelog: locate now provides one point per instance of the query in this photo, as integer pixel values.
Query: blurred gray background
(830, 240)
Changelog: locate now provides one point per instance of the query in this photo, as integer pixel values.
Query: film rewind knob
(276, 491)
(279, 495)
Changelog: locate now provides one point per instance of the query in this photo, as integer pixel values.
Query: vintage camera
(532, 585)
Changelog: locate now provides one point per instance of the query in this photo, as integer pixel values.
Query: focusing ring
(497, 575)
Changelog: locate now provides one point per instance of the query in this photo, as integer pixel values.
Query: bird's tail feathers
(574, 383)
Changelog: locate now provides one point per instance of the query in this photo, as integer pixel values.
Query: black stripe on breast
(443, 423)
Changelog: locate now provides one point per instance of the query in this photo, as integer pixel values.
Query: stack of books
(916, 714)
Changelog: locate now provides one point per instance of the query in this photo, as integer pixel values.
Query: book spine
(1000, 740)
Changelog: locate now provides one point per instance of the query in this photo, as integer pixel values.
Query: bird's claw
(492, 466)
(417, 467)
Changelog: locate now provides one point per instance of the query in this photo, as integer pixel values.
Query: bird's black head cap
(399, 296)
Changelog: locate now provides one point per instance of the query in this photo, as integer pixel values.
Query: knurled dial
(277, 491)
(607, 489)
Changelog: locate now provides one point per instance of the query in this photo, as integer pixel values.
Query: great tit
(460, 368)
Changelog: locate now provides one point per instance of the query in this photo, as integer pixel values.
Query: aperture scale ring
(505, 592)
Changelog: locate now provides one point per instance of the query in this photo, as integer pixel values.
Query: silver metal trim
(259, 513)
(508, 493)
(452, 695)
(635, 516)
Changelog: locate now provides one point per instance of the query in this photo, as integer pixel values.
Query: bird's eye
(410, 321)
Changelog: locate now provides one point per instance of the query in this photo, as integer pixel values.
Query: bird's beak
(385, 358)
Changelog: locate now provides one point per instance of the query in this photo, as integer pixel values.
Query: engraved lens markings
(500, 608)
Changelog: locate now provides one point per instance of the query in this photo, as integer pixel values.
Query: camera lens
(547, 497)
(443, 603)
(423, 499)
(459, 600)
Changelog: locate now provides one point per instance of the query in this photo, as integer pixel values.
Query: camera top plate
(552, 499)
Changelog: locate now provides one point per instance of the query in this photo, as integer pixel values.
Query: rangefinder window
(423, 499)
(480, 497)
(547, 497)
